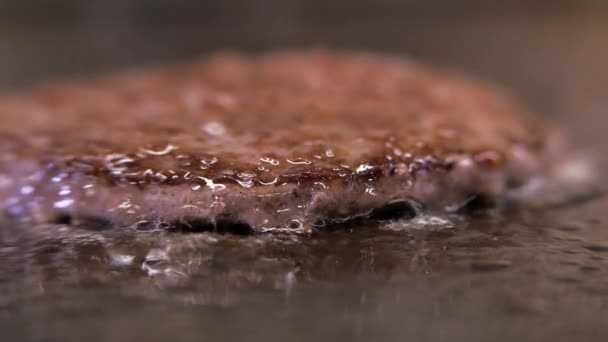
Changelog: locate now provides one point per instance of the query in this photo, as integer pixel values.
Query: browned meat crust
(288, 139)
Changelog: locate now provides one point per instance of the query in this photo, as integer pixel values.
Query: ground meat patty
(287, 140)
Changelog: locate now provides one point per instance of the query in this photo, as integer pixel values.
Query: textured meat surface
(285, 140)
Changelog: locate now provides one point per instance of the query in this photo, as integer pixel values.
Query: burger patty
(288, 140)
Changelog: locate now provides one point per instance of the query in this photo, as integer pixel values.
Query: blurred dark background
(551, 53)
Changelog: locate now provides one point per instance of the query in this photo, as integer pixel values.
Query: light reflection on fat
(363, 167)
(274, 181)
(168, 149)
(269, 161)
(210, 184)
(245, 183)
(214, 128)
(60, 177)
(64, 204)
(424, 221)
(27, 190)
(299, 161)
(64, 191)
(117, 162)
